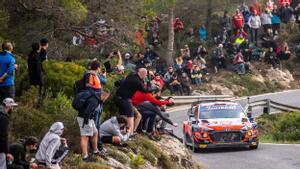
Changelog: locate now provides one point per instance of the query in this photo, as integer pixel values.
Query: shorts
(125, 107)
(88, 129)
(106, 139)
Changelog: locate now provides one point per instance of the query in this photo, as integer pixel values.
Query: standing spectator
(201, 51)
(286, 13)
(238, 20)
(110, 130)
(50, 152)
(7, 66)
(175, 85)
(35, 68)
(196, 75)
(255, 24)
(239, 63)
(266, 19)
(256, 6)
(20, 150)
(202, 33)
(284, 2)
(178, 25)
(269, 5)
(139, 39)
(43, 57)
(132, 83)
(5, 110)
(243, 7)
(218, 58)
(297, 14)
(226, 22)
(276, 20)
(158, 81)
(247, 15)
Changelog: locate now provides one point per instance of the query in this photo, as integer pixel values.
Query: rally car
(219, 124)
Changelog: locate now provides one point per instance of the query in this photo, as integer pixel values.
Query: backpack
(81, 98)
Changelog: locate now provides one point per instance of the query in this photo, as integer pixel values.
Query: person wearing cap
(53, 147)
(7, 67)
(20, 150)
(5, 110)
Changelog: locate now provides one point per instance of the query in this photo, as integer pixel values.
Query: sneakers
(87, 159)
(100, 153)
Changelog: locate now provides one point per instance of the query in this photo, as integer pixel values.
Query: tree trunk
(208, 18)
(171, 34)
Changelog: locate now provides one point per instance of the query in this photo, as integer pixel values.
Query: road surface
(267, 156)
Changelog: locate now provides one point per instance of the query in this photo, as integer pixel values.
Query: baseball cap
(9, 102)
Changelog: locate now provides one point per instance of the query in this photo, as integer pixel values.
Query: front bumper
(216, 145)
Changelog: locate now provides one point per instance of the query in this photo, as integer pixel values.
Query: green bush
(283, 127)
(137, 161)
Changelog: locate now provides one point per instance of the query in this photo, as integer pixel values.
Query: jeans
(197, 81)
(254, 33)
(240, 68)
(148, 118)
(97, 119)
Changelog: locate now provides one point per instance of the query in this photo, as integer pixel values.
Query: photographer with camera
(20, 150)
(119, 68)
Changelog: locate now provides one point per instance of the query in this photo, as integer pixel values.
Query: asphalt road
(267, 156)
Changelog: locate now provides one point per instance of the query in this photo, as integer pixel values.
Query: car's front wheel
(253, 147)
(195, 148)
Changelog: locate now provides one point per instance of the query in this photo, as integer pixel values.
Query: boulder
(283, 78)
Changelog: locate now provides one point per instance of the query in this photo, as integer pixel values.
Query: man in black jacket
(131, 84)
(20, 150)
(5, 109)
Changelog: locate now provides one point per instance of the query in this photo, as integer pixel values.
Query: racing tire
(254, 147)
(194, 148)
(184, 139)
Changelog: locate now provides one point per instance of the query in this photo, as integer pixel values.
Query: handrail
(267, 103)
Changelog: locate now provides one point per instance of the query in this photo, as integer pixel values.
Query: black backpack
(81, 98)
(80, 85)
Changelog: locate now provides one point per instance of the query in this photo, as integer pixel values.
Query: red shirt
(238, 20)
(140, 97)
(284, 2)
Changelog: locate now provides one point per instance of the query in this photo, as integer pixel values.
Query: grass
(269, 139)
(280, 128)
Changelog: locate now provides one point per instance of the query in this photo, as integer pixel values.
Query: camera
(115, 52)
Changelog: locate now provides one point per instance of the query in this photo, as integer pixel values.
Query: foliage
(137, 161)
(281, 127)
(76, 9)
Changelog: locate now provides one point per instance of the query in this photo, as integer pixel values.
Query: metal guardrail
(268, 104)
(191, 99)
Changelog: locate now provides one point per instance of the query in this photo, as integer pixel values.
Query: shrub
(137, 161)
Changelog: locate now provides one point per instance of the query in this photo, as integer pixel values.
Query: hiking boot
(100, 153)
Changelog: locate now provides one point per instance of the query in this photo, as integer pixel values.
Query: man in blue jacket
(7, 66)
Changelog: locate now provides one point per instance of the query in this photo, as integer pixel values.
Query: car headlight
(205, 135)
(197, 135)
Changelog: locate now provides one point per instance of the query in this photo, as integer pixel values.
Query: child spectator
(196, 76)
(239, 63)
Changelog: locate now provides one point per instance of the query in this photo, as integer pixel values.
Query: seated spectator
(20, 151)
(139, 39)
(283, 52)
(168, 75)
(179, 64)
(201, 51)
(151, 55)
(128, 63)
(188, 67)
(111, 130)
(158, 81)
(246, 51)
(175, 85)
(161, 66)
(239, 63)
(271, 58)
(186, 83)
(50, 152)
(268, 39)
(186, 53)
(241, 33)
(196, 75)
(77, 39)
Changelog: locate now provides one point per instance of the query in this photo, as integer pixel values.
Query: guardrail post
(267, 109)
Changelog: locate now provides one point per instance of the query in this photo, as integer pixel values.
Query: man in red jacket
(284, 2)
(238, 20)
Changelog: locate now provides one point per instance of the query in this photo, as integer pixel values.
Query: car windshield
(220, 111)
